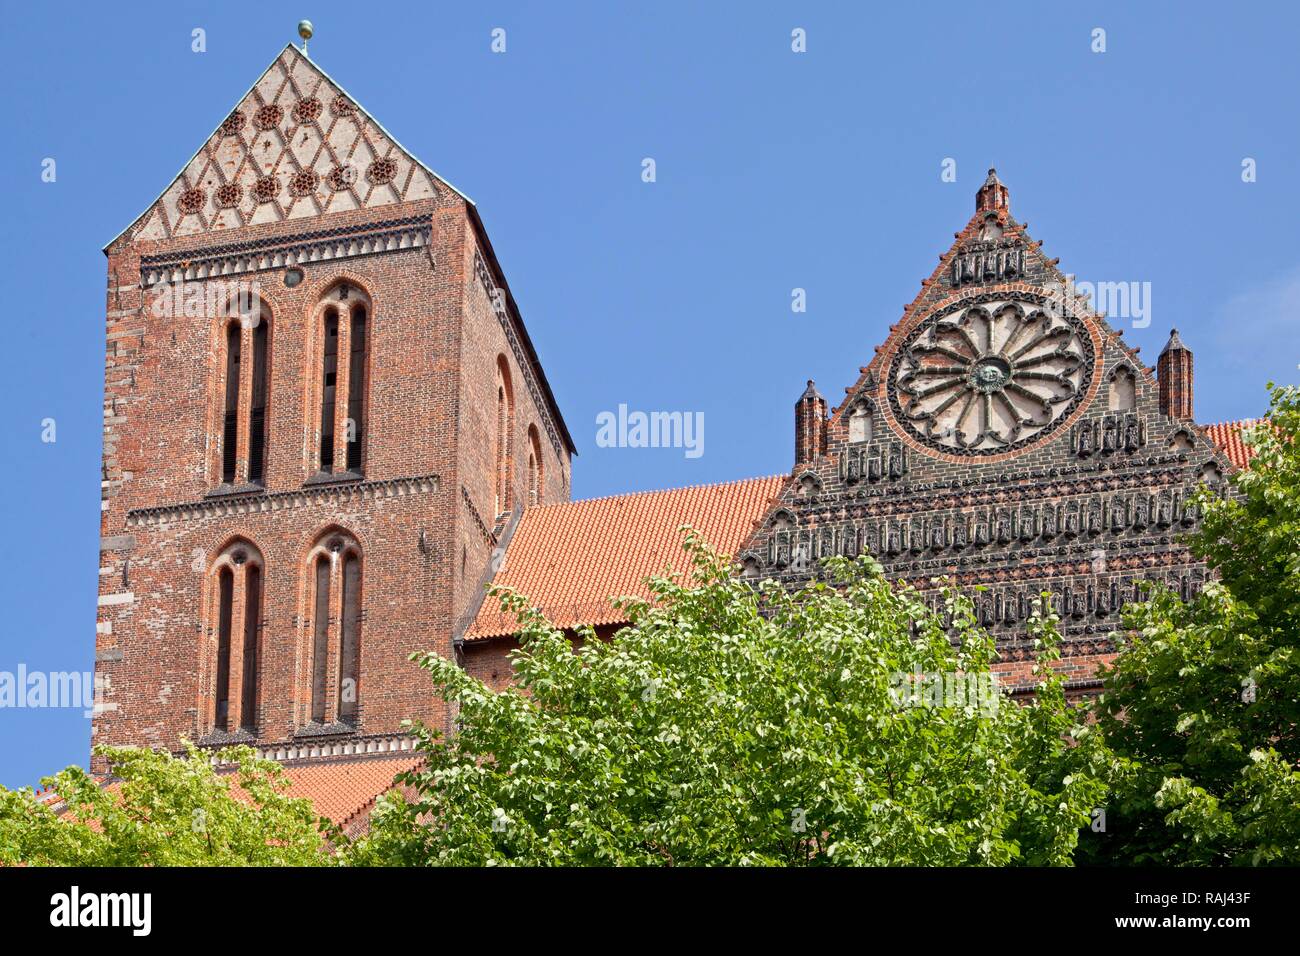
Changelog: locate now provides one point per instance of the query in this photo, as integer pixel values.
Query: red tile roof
(342, 789)
(1227, 435)
(345, 789)
(570, 558)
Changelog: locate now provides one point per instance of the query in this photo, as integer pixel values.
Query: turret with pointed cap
(809, 425)
(992, 196)
(1174, 370)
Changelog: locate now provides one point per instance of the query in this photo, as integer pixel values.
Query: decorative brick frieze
(338, 495)
(359, 746)
(232, 259)
(977, 263)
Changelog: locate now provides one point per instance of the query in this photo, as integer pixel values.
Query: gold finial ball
(304, 29)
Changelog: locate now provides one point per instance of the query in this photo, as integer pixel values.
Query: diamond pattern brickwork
(280, 155)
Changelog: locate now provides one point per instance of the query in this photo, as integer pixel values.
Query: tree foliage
(1202, 704)
(159, 810)
(732, 725)
(739, 725)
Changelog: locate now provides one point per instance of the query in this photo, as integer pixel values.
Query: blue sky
(775, 171)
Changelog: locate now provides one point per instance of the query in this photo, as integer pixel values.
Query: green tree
(733, 725)
(160, 810)
(1202, 705)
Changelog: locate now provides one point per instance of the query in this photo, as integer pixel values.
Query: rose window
(979, 379)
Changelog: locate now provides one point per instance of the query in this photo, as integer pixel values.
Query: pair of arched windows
(335, 651)
(332, 616)
(505, 427)
(337, 372)
(236, 578)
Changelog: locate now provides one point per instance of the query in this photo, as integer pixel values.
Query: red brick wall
(484, 342)
(425, 436)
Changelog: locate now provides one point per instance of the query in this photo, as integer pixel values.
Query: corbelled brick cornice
(280, 252)
(337, 494)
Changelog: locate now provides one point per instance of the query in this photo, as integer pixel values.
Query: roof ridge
(1236, 421)
(657, 491)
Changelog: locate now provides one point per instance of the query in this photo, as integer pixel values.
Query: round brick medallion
(233, 124)
(268, 117)
(229, 195)
(266, 189)
(304, 183)
(342, 106)
(343, 177)
(382, 171)
(307, 110)
(192, 200)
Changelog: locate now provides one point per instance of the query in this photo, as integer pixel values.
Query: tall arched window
(234, 651)
(505, 428)
(329, 388)
(341, 351)
(356, 387)
(225, 617)
(257, 413)
(320, 636)
(335, 617)
(252, 625)
(535, 475)
(244, 334)
(230, 416)
(350, 640)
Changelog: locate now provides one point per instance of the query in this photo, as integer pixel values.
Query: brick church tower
(322, 416)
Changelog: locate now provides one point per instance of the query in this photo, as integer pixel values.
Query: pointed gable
(295, 146)
(994, 252)
(1004, 437)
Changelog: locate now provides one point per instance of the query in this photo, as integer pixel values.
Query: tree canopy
(1202, 704)
(845, 722)
(836, 724)
(155, 809)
